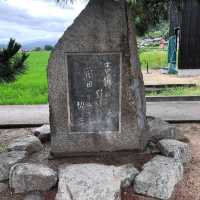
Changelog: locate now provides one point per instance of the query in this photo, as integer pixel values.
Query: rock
(7, 160)
(3, 187)
(30, 143)
(33, 196)
(179, 150)
(158, 130)
(27, 177)
(159, 177)
(93, 181)
(43, 133)
(79, 124)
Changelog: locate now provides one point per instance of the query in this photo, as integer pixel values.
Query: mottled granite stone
(94, 106)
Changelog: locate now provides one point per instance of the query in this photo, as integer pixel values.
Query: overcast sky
(31, 20)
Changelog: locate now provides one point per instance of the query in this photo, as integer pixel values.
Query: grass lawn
(31, 87)
(156, 58)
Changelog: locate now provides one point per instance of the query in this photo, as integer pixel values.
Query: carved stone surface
(93, 105)
(91, 97)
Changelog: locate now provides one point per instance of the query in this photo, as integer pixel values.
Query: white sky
(31, 20)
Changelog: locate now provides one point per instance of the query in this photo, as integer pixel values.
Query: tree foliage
(12, 63)
(48, 47)
(146, 12)
(149, 13)
(38, 49)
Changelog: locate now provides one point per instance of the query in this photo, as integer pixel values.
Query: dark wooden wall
(189, 54)
(174, 16)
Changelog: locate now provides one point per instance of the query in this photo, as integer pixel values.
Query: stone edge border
(172, 98)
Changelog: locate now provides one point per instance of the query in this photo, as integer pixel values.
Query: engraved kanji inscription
(94, 92)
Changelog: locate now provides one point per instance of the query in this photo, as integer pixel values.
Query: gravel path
(155, 77)
(189, 189)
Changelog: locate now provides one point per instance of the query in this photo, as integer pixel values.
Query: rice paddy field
(31, 87)
(153, 57)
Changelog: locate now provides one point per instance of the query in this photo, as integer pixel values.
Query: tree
(146, 12)
(12, 62)
(48, 47)
(38, 49)
(149, 13)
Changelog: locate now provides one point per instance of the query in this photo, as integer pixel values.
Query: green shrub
(12, 63)
(160, 30)
(48, 47)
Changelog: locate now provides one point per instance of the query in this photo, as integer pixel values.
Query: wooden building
(189, 43)
(187, 17)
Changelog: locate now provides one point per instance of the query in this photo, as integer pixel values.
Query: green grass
(156, 58)
(177, 91)
(31, 87)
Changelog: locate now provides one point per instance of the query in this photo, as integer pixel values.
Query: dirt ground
(188, 189)
(155, 77)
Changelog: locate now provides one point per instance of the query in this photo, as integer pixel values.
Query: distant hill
(2, 46)
(34, 44)
(41, 44)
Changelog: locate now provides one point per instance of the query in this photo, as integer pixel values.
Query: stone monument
(96, 101)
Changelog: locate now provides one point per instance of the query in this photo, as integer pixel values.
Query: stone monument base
(94, 144)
